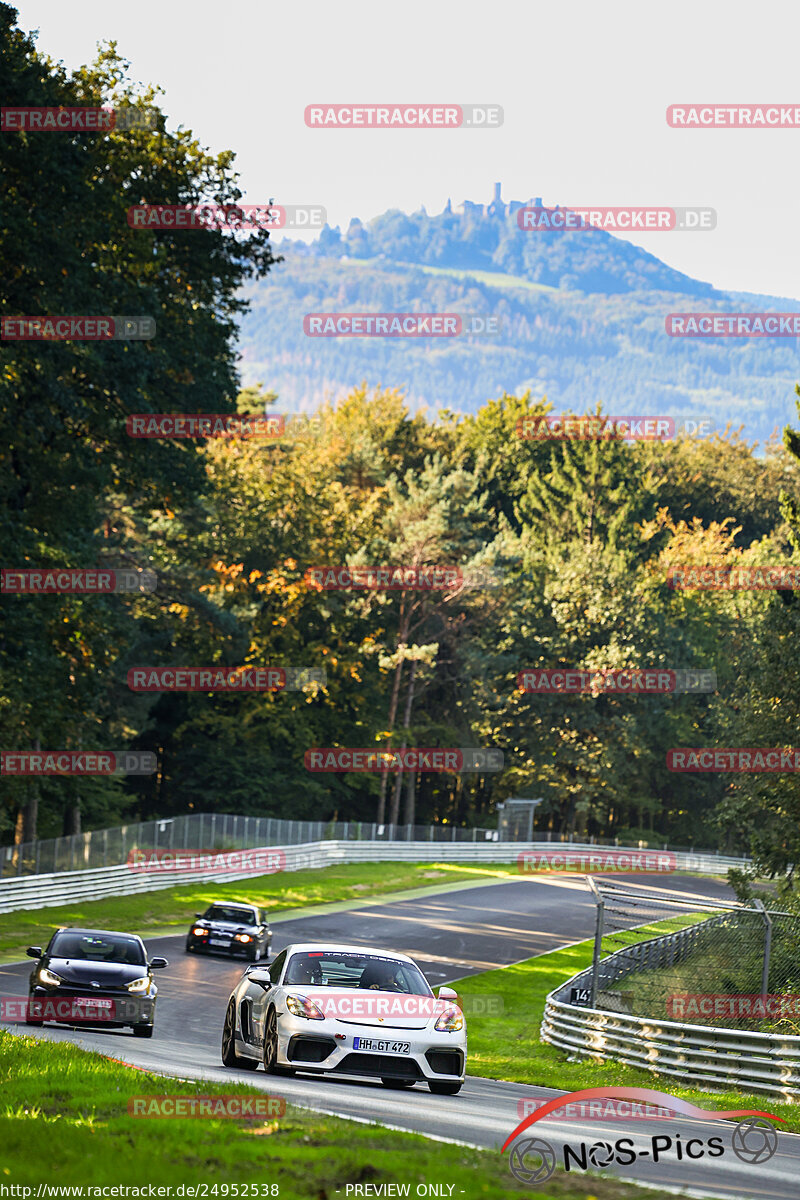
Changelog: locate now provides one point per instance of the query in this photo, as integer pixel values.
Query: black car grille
(85, 989)
(390, 1065)
(445, 1062)
(306, 1048)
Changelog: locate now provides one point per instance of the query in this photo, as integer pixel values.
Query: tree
(70, 472)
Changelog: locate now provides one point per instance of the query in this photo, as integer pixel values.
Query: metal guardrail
(704, 1054)
(204, 831)
(39, 891)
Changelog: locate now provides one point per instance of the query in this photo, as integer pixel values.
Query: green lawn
(64, 1120)
(506, 1045)
(156, 912)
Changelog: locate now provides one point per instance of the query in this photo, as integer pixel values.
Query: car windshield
(344, 968)
(223, 912)
(98, 947)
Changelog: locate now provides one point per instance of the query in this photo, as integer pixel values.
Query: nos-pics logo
(533, 1159)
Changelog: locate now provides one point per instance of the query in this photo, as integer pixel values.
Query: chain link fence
(708, 962)
(229, 831)
(208, 831)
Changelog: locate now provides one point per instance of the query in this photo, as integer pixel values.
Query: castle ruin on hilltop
(496, 209)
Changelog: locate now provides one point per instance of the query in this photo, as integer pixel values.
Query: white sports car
(346, 1010)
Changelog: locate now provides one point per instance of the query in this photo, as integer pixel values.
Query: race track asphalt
(450, 934)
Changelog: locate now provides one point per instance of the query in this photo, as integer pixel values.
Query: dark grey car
(227, 927)
(94, 977)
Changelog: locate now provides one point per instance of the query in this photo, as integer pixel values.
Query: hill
(581, 315)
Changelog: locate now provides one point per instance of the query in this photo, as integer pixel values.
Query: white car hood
(376, 1009)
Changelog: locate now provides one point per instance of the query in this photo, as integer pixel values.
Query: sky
(584, 89)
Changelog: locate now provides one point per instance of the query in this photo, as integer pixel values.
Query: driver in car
(303, 970)
(379, 977)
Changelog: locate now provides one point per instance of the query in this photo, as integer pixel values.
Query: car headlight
(301, 1006)
(198, 932)
(139, 985)
(451, 1020)
(242, 937)
(48, 977)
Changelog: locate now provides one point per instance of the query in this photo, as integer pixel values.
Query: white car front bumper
(337, 1047)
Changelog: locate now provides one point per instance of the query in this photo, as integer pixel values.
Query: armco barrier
(232, 831)
(730, 1059)
(38, 891)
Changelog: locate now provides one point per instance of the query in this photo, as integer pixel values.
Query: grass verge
(64, 1121)
(150, 912)
(507, 1046)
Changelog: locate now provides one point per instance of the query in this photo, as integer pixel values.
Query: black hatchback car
(228, 927)
(93, 977)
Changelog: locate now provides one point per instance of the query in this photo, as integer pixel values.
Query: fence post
(759, 904)
(598, 937)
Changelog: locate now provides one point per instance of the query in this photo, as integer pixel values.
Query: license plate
(360, 1043)
(93, 1002)
(219, 941)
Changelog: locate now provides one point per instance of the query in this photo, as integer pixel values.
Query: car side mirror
(261, 977)
(34, 952)
(447, 993)
(198, 914)
(156, 963)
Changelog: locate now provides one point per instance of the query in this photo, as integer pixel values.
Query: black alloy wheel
(229, 1056)
(271, 1047)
